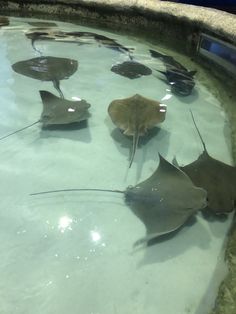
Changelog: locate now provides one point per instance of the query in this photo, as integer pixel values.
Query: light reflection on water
(65, 223)
(95, 236)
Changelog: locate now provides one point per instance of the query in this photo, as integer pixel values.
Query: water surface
(74, 252)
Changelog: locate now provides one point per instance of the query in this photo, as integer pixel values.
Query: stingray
(76, 37)
(180, 79)
(216, 177)
(131, 69)
(43, 33)
(58, 111)
(47, 69)
(135, 115)
(101, 39)
(111, 43)
(163, 202)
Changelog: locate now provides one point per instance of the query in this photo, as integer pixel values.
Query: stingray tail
(203, 144)
(134, 146)
(77, 190)
(22, 129)
(56, 84)
(130, 56)
(34, 47)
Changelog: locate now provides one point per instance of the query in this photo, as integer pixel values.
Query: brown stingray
(216, 177)
(47, 69)
(58, 111)
(131, 69)
(135, 115)
(163, 202)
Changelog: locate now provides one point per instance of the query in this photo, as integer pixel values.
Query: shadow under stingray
(168, 246)
(210, 216)
(146, 143)
(126, 142)
(214, 220)
(189, 99)
(67, 131)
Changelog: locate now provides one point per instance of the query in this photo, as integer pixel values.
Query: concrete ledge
(221, 23)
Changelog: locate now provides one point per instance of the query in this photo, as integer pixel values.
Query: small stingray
(111, 43)
(76, 37)
(47, 69)
(131, 69)
(163, 202)
(42, 24)
(103, 40)
(180, 79)
(58, 111)
(216, 177)
(44, 34)
(135, 115)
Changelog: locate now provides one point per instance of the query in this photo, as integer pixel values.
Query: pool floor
(73, 252)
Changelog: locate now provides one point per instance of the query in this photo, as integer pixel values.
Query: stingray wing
(46, 68)
(58, 111)
(217, 178)
(165, 200)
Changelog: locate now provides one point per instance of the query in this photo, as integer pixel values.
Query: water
(73, 252)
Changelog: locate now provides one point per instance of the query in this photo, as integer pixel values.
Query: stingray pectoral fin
(134, 146)
(155, 235)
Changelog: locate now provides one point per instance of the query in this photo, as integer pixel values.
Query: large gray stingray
(163, 202)
(58, 111)
(135, 115)
(47, 69)
(216, 177)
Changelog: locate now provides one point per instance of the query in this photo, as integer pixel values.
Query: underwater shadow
(211, 217)
(176, 243)
(122, 141)
(189, 99)
(67, 131)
